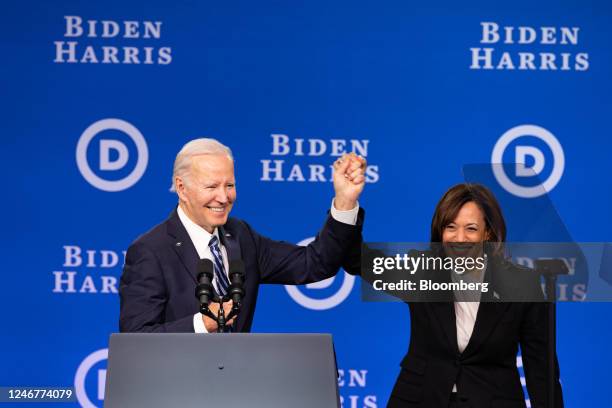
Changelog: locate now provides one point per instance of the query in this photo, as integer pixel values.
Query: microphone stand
(221, 321)
(550, 269)
(220, 318)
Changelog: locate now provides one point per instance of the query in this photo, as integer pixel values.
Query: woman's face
(468, 226)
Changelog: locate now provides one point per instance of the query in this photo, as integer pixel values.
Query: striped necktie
(219, 268)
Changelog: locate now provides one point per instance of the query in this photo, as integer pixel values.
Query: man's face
(208, 191)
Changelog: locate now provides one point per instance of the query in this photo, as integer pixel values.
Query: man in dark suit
(159, 277)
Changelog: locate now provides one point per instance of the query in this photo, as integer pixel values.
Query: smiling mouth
(216, 209)
(461, 246)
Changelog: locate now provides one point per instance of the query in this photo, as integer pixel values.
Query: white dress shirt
(200, 238)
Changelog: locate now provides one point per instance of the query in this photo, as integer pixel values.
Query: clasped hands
(210, 324)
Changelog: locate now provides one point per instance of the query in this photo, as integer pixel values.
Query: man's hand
(210, 324)
(349, 179)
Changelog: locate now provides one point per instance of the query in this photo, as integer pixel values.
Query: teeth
(216, 209)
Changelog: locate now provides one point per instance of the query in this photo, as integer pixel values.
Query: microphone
(204, 291)
(236, 288)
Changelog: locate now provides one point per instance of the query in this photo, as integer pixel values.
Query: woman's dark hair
(449, 205)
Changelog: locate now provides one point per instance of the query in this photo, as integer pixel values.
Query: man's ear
(179, 185)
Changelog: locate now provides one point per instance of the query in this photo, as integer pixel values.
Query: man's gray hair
(193, 148)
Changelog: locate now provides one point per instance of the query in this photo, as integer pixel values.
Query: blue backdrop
(420, 89)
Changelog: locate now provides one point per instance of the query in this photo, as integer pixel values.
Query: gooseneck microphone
(235, 292)
(204, 291)
(236, 288)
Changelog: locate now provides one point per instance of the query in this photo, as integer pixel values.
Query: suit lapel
(489, 314)
(444, 310)
(182, 245)
(445, 314)
(490, 311)
(231, 244)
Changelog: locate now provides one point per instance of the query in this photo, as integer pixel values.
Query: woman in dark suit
(464, 353)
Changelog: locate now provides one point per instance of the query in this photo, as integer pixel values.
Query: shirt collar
(195, 232)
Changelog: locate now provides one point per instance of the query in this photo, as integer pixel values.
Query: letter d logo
(114, 155)
(521, 155)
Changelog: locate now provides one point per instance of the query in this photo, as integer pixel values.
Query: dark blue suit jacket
(157, 288)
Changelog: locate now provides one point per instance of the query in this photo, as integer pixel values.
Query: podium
(221, 370)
